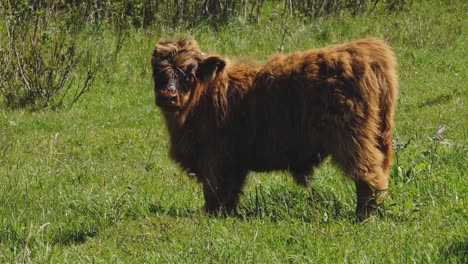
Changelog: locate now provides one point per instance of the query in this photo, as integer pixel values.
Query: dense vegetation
(43, 61)
(84, 172)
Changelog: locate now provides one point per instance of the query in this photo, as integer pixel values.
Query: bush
(39, 59)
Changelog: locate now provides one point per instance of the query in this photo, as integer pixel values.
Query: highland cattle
(226, 118)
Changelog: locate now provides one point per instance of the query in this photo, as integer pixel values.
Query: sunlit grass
(94, 182)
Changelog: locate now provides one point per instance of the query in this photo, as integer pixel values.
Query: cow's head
(179, 67)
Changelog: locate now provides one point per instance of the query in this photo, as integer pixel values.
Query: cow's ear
(209, 68)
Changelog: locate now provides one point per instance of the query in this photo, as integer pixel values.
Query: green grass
(94, 184)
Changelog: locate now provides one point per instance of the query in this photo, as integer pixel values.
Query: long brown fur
(287, 114)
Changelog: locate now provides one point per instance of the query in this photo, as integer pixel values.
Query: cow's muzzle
(168, 99)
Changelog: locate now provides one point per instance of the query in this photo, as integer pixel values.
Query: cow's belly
(292, 159)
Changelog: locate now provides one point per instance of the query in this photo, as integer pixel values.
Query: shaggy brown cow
(226, 119)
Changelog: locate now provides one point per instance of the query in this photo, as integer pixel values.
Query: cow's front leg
(212, 196)
(222, 192)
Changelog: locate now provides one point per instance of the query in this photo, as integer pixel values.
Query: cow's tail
(387, 77)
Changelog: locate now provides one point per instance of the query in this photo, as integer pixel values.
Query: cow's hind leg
(369, 198)
(363, 161)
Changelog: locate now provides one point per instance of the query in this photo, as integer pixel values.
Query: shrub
(39, 58)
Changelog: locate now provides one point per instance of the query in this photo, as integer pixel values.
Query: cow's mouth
(168, 103)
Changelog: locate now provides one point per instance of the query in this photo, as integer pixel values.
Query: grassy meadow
(92, 182)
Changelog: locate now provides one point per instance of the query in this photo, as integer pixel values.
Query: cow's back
(301, 99)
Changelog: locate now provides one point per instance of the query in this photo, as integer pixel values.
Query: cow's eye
(185, 85)
(188, 78)
(181, 75)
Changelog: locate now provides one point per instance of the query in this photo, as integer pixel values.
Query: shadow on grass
(74, 237)
(441, 99)
(279, 203)
(275, 203)
(457, 251)
(173, 211)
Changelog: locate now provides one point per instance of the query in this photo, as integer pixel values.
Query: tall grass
(93, 183)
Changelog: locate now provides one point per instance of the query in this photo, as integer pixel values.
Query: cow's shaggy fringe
(287, 114)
